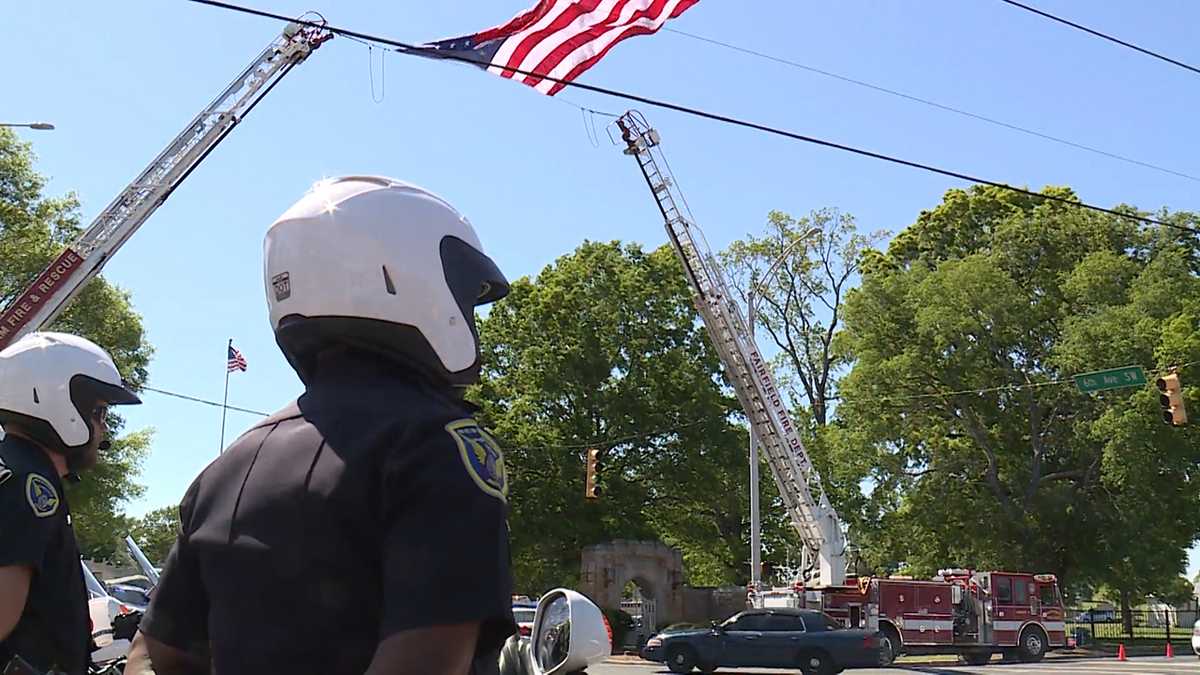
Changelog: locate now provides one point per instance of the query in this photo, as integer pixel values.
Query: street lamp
(40, 126)
(755, 517)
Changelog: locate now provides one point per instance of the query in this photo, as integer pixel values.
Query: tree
(800, 295)
(155, 533)
(33, 230)
(960, 410)
(603, 350)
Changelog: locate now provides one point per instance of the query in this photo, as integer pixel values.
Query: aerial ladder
(52, 290)
(808, 507)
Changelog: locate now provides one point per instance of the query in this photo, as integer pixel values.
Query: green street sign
(1114, 378)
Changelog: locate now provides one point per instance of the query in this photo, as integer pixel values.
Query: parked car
(1096, 615)
(523, 614)
(136, 598)
(782, 637)
(1196, 638)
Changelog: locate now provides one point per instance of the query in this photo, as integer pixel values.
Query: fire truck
(974, 614)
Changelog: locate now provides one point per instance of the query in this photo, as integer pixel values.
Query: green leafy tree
(603, 349)
(34, 228)
(960, 411)
(155, 533)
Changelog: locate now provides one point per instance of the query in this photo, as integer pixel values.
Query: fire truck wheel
(816, 663)
(889, 646)
(681, 659)
(1032, 646)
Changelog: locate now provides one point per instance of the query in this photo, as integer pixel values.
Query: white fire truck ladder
(745, 368)
(63, 279)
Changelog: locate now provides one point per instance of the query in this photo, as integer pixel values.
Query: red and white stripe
(563, 38)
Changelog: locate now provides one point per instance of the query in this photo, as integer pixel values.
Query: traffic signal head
(1171, 400)
(592, 489)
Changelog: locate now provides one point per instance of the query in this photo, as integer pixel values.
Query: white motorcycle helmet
(50, 383)
(381, 265)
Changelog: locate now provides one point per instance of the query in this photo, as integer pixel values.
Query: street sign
(1114, 378)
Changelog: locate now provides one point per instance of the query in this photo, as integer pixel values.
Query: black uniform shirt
(35, 531)
(372, 505)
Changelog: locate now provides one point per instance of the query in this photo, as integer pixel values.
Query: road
(1183, 664)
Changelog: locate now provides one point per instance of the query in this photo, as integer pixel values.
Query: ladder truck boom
(53, 289)
(809, 509)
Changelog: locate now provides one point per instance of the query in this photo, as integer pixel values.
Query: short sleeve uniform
(35, 532)
(374, 504)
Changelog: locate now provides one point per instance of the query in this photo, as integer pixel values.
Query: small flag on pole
(558, 38)
(236, 360)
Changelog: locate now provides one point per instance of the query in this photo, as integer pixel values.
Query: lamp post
(755, 516)
(40, 126)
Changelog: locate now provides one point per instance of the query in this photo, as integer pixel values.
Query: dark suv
(812, 641)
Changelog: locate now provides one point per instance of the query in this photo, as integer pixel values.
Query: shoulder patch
(41, 495)
(5, 472)
(481, 456)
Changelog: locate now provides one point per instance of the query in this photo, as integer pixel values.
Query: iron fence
(1102, 623)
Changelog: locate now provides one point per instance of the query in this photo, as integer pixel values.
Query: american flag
(559, 38)
(236, 361)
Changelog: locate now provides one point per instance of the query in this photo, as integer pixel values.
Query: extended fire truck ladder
(54, 288)
(799, 484)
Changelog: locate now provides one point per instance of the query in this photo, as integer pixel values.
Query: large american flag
(559, 38)
(236, 361)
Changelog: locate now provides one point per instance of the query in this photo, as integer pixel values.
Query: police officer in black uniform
(361, 529)
(55, 390)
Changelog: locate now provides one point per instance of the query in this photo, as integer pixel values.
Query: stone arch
(655, 567)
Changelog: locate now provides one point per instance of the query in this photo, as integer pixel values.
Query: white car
(1196, 638)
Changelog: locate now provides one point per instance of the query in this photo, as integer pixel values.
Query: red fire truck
(973, 614)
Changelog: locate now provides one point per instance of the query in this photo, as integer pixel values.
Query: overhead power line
(935, 104)
(194, 399)
(1103, 36)
(405, 48)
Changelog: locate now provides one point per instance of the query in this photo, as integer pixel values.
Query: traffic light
(592, 490)
(1171, 400)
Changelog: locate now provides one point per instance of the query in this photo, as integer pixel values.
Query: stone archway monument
(655, 567)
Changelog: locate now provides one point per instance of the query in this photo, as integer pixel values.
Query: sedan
(812, 641)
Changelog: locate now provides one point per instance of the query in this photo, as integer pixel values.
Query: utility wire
(1103, 36)
(405, 48)
(194, 399)
(935, 104)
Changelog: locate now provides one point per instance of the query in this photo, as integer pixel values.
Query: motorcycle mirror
(568, 633)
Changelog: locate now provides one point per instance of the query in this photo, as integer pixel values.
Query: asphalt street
(1183, 664)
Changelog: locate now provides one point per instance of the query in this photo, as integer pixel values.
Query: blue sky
(120, 79)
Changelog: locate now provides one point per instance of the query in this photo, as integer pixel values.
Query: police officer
(363, 527)
(55, 390)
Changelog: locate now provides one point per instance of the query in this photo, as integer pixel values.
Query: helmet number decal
(481, 456)
(283, 286)
(41, 495)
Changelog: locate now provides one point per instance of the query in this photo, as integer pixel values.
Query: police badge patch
(41, 495)
(481, 456)
(5, 472)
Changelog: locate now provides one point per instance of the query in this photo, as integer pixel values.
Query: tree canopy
(603, 350)
(960, 412)
(33, 230)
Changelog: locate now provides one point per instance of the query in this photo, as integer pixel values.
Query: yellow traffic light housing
(592, 489)
(1171, 400)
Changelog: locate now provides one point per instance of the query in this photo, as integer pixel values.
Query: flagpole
(225, 402)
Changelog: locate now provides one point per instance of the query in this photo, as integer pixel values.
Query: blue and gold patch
(41, 495)
(481, 456)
